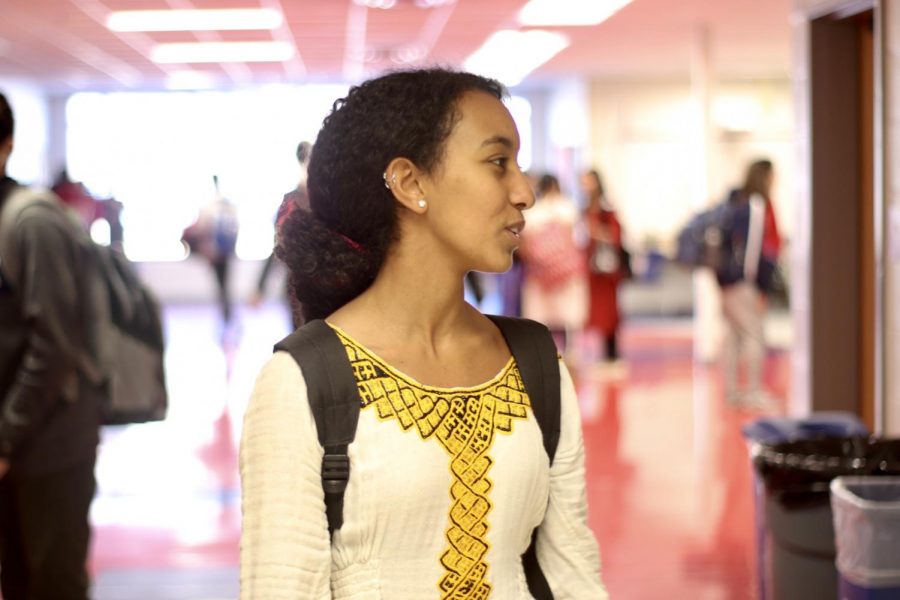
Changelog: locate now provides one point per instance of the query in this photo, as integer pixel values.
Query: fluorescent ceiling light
(383, 4)
(194, 20)
(562, 13)
(511, 55)
(222, 52)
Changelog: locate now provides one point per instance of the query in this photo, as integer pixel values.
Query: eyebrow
(498, 139)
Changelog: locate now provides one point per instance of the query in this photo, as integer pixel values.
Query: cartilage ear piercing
(386, 184)
(422, 203)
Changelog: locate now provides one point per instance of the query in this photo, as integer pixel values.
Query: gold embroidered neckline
(465, 422)
(475, 389)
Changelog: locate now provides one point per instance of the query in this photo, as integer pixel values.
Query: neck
(417, 293)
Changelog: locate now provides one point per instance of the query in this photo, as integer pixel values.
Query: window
(157, 152)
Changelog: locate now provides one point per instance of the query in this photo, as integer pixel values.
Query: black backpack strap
(334, 401)
(535, 352)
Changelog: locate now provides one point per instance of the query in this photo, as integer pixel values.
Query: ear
(404, 179)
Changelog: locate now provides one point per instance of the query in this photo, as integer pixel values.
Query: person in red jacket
(605, 264)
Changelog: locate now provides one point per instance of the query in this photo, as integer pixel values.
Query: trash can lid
(776, 430)
(807, 467)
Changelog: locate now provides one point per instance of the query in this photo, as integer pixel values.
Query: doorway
(843, 253)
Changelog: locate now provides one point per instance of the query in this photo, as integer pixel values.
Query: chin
(499, 264)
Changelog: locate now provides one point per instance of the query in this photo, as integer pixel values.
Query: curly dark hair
(335, 250)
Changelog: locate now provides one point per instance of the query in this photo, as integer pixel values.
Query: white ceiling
(63, 46)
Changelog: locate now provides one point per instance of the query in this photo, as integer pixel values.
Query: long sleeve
(755, 232)
(566, 548)
(285, 546)
(45, 274)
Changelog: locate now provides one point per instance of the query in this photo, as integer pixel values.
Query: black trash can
(797, 476)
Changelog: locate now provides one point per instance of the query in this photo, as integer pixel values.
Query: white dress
(446, 486)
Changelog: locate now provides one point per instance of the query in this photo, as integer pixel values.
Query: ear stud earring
(422, 203)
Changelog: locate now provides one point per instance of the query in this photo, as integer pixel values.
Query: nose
(522, 195)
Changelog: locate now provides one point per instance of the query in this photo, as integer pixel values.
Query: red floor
(668, 473)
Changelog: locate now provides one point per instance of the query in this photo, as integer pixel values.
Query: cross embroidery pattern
(464, 421)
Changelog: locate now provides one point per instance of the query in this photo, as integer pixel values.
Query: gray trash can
(867, 536)
(797, 477)
(768, 431)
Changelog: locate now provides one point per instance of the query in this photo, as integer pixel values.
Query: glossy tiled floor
(668, 474)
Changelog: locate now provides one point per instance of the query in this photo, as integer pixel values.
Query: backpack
(215, 232)
(335, 403)
(708, 239)
(123, 355)
(225, 230)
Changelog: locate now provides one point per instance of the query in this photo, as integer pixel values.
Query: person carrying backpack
(748, 256)
(49, 419)
(214, 236)
(401, 444)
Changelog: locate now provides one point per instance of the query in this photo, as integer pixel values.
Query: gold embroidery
(464, 422)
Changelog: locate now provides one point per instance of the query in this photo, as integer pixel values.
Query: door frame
(804, 384)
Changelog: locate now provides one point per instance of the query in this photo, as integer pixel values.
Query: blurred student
(751, 246)
(214, 237)
(49, 421)
(76, 197)
(296, 198)
(606, 264)
(554, 291)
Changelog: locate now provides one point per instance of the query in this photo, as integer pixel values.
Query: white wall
(28, 162)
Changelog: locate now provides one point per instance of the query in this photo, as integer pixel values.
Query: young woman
(604, 229)
(413, 182)
(555, 288)
(756, 244)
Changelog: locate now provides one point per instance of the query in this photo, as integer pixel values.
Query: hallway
(668, 473)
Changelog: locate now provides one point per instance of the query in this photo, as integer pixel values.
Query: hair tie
(356, 246)
(288, 206)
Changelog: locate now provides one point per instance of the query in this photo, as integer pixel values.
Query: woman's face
(588, 185)
(477, 193)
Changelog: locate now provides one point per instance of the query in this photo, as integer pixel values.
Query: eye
(500, 161)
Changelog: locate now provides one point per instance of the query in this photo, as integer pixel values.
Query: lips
(516, 228)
